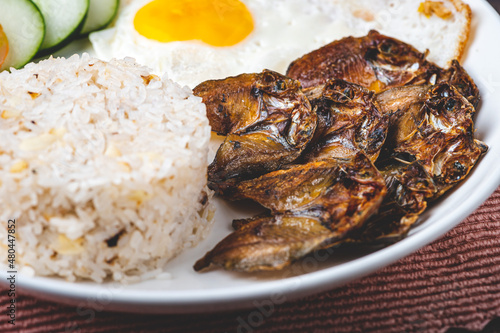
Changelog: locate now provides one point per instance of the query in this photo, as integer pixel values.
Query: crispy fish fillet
(267, 119)
(312, 206)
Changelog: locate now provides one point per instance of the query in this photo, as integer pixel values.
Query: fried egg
(195, 40)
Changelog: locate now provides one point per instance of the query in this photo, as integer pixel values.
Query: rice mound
(103, 166)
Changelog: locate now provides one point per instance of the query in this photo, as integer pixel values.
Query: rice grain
(103, 171)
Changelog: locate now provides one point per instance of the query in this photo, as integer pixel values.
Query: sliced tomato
(4, 45)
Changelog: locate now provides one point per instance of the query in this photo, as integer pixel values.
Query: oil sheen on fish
(267, 119)
(374, 61)
(311, 206)
(374, 135)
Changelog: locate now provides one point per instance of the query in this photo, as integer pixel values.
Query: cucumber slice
(24, 27)
(63, 21)
(101, 13)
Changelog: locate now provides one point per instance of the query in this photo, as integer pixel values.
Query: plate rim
(237, 297)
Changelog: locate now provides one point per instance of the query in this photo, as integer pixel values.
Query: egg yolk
(4, 46)
(215, 22)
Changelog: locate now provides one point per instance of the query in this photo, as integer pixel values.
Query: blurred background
(496, 4)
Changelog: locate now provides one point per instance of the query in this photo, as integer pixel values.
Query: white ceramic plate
(188, 291)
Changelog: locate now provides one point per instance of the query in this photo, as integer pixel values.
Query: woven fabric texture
(450, 285)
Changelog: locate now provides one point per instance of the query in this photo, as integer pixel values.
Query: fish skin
(431, 149)
(333, 194)
(349, 121)
(267, 119)
(378, 62)
(372, 61)
(348, 192)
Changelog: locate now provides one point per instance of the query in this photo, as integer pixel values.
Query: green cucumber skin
(37, 49)
(41, 40)
(74, 35)
(71, 37)
(115, 13)
(21, 64)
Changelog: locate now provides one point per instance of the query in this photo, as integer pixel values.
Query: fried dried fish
(404, 108)
(316, 204)
(409, 188)
(391, 132)
(312, 206)
(444, 141)
(267, 119)
(432, 148)
(378, 62)
(349, 121)
(457, 77)
(374, 61)
(266, 243)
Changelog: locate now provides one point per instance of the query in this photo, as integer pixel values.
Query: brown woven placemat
(451, 283)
